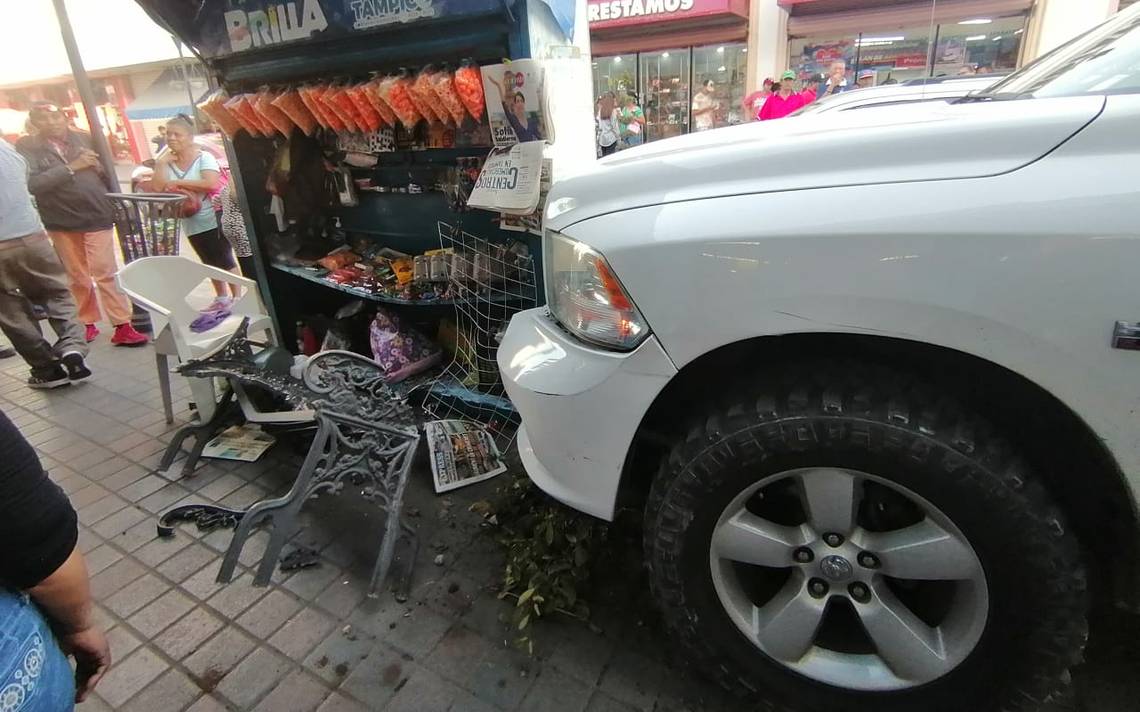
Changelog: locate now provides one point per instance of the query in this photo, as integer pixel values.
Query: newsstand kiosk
(357, 131)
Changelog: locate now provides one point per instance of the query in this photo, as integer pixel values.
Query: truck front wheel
(840, 537)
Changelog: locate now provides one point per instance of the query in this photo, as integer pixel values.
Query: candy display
(339, 97)
(394, 91)
(371, 91)
(263, 104)
(369, 116)
(324, 94)
(422, 108)
(250, 100)
(423, 88)
(291, 103)
(443, 84)
(214, 107)
(308, 98)
(469, 86)
(246, 116)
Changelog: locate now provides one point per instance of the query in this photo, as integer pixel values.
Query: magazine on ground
(517, 106)
(239, 442)
(462, 453)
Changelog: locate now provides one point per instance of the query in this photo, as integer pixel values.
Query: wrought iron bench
(365, 436)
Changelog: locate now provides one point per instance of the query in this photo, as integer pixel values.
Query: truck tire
(840, 537)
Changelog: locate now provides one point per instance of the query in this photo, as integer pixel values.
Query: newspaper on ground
(511, 180)
(462, 453)
(239, 442)
(516, 102)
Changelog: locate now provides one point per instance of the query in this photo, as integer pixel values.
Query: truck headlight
(585, 296)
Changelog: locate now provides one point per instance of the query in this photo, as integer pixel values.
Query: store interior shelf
(312, 276)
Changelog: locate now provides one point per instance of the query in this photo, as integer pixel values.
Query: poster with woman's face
(515, 102)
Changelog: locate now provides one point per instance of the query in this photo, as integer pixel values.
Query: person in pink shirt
(784, 100)
(755, 101)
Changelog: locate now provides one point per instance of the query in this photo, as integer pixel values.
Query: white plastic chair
(162, 285)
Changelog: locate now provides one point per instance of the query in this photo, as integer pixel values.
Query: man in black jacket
(71, 192)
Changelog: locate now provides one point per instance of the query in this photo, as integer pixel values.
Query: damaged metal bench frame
(365, 437)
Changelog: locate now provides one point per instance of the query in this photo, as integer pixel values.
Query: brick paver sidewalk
(312, 640)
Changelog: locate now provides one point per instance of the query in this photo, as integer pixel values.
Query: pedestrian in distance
(31, 274)
(705, 106)
(754, 101)
(609, 123)
(632, 121)
(865, 78)
(186, 168)
(159, 141)
(67, 179)
(784, 100)
(46, 611)
(836, 81)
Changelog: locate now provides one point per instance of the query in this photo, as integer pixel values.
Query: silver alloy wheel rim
(908, 651)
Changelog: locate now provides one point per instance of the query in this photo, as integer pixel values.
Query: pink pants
(89, 258)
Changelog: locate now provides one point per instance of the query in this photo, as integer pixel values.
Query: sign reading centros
(614, 13)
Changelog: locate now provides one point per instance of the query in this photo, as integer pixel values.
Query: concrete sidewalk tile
(633, 678)
(488, 617)
(161, 499)
(208, 703)
(132, 674)
(453, 595)
(125, 477)
(236, 596)
(458, 654)
(70, 484)
(118, 523)
(244, 497)
(90, 458)
(203, 583)
(133, 597)
(309, 582)
(302, 633)
(339, 654)
(94, 704)
(183, 564)
(211, 662)
(115, 577)
(88, 540)
(601, 702)
(554, 690)
(122, 642)
(98, 511)
(131, 440)
(417, 633)
(141, 534)
(503, 677)
(106, 468)
(253, 677)
(339, 703)
(143, 487)
(88, 495)
(344, 594)
(425, 691)
(221, 485)
(269, 614)
(298, 692)
(379, 676)
(100, 558)
(172, 692)
(139, 453)
(160, 613)
(581, 653)
(187, 634)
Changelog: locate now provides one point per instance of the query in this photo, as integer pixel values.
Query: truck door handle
(1126, 336)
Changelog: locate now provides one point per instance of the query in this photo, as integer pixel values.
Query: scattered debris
(453, 587)
(348, 632)
(438, 559)
(300, 558)
(323, 662)
(341, 670)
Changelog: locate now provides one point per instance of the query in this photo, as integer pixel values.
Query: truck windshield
(1104, 60)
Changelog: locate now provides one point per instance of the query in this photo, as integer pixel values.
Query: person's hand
(92, 658)
(86, 159)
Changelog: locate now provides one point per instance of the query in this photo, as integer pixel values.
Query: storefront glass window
(726, 66)
(905, 53)
(665, 92)
(617, 74)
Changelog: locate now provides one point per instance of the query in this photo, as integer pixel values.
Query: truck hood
(933, 140)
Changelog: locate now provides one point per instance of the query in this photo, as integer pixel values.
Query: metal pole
(98, 138)
(186, 75)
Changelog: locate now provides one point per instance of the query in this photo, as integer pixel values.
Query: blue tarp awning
(167, 96)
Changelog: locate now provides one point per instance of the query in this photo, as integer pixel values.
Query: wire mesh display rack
(147, 223)
(492, 281)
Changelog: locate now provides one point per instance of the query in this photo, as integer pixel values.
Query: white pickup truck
(874, 379)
